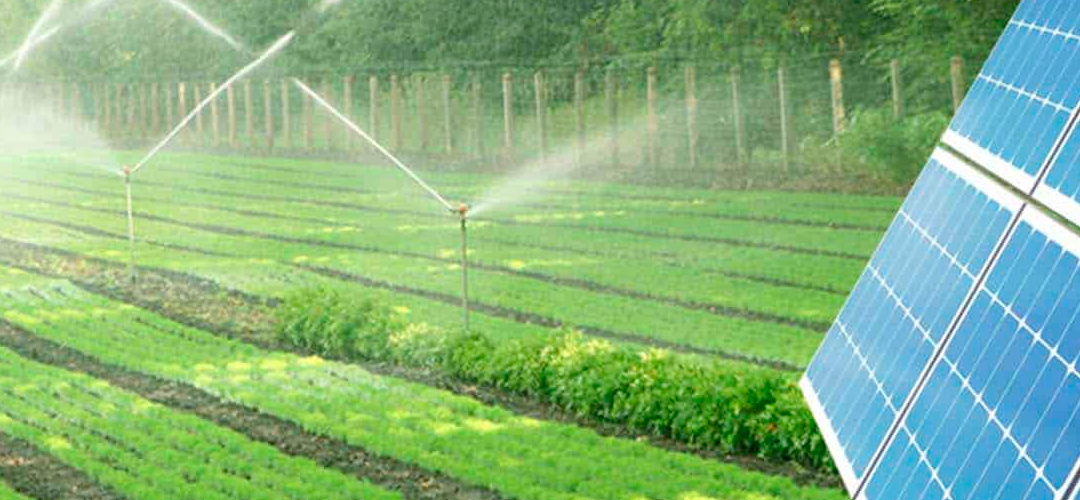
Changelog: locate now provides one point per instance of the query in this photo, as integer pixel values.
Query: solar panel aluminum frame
(1058, 202)
(1069, 241)
(1007, 200)
(1000, 167)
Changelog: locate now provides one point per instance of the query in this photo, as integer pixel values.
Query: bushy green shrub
(709, 406)
(896, 149)
(324, 322)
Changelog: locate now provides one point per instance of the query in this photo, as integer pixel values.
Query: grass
(516, 456)
(7, 494)
(708, 283)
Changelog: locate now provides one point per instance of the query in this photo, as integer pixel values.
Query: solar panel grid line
(910, 248)
(1040, 259)
(1010, 97)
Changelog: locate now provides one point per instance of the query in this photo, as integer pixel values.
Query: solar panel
(902, 307)
(999, 417)
(1019, 106)
(1061, 188)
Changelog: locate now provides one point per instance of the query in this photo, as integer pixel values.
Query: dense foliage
(707, 405)
(127, 39)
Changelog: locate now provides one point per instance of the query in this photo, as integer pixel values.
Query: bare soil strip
(37, 474)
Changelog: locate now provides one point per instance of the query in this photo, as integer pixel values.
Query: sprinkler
(463, 212)
(131, 223)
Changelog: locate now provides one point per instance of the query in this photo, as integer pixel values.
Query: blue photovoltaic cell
(1019, 105)
(999, 416)
(1060, 189)
(900, 310)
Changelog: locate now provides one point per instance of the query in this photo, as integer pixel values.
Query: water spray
(313, 20)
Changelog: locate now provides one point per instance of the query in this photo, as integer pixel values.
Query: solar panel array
(895, 318)
(952, 371)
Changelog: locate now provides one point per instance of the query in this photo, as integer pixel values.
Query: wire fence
(691, 121)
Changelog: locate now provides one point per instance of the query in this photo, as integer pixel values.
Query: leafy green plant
(325, 322)
(892, 148)
(706, 405)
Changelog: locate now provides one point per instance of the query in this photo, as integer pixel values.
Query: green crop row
(517, 456)
(146, 451)
(708, 406)
(769, 207)
(388, 178)
(309, 187)
(645, 319)
(507, 244)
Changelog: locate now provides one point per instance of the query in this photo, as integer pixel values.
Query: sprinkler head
(463, 209)
(127, 171)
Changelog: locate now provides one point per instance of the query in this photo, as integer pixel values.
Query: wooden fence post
(785, 117)
(737, 117)
(836, 77)
(215, 116)
(508, 115)
(654, 123)
(448, 124)
(691, 114)
(230, 105)
(395, 113)
(286, 115)
(105, 110)
(155, 107)
(328, 120)
(541, 114)
(347, 96)
(420, 96)
(144, 111)
(373, 106)
(181, 106)
(196, 98)
(579, 116)
(897, 89)
(478, 115)
(249, 113)
(268, 111)
(611, 91)
(170, 110)
(956, 72)
(120, 114)
(307, 113)
(76, 103)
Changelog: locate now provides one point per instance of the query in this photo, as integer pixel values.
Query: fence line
(703, 117)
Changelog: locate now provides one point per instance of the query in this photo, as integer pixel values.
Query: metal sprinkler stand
(463, 212)
(131, 224)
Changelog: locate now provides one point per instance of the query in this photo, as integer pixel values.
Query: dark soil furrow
(37, 474)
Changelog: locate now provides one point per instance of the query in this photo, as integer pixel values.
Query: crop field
(174, 386)
(755, 277)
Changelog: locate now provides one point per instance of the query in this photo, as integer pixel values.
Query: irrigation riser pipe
(463, 211)
(131, 224)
